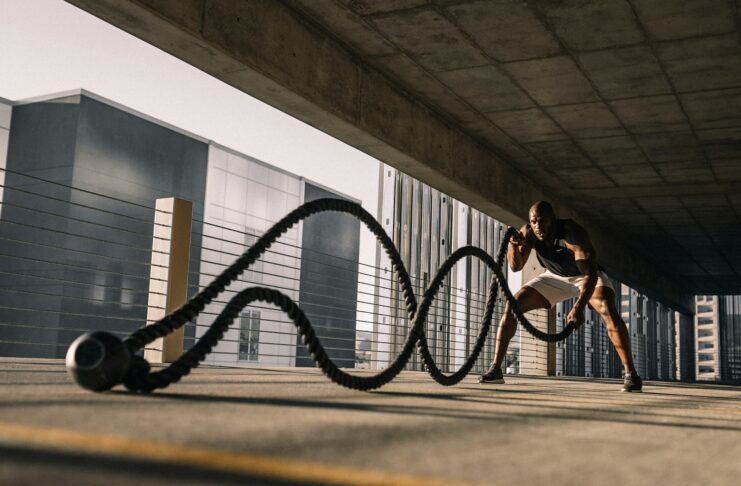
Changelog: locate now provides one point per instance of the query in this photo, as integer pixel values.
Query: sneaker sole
(492, 382)
(630, 391)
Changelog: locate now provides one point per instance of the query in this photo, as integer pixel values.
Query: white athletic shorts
(556, 288)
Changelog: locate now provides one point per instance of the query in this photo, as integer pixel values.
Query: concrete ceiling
(625, 113)
(629, 111)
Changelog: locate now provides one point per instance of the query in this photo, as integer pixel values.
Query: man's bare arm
(519, 248)
(578, 241)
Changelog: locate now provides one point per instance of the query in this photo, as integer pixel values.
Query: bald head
(543, 208)
(542, 219)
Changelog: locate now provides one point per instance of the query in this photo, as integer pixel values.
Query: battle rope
(99, 360)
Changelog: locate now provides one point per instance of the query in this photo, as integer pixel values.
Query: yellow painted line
(214, 459)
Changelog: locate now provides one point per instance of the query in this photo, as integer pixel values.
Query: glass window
(249, 335)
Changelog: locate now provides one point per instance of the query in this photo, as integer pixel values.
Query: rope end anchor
(98, 361)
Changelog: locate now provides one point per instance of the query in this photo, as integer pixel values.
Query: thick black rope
(139, 377)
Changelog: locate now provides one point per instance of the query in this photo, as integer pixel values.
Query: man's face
(542, 224)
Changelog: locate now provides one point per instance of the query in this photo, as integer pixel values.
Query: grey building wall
(685, 346)
(652, 327)
(42, 144)
(589, 351)
(421, 225)
(476, 229)
(329, 280)
(79, 259)
(729, 310)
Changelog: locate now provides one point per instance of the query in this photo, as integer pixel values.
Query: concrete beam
(271, 52)
(676, 190)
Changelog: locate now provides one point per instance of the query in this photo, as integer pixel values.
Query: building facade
(729, 311)
(427, 226)
(589, 351)
(76, 232)
(76, 227)
(653, 335)
(707, 321)
(244, 198)
(718, 325)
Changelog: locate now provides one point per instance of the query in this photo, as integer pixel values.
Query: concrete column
(168, 277)
(537, 357)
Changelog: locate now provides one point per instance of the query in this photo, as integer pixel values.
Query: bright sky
(48, 46)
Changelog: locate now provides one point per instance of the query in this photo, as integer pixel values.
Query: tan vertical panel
(168, 281)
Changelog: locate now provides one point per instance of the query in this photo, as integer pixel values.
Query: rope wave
(140, 378)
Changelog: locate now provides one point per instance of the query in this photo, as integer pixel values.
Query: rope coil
(139, 378)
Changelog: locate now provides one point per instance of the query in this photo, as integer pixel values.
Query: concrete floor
(293, 426)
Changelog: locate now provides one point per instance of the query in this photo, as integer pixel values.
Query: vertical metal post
(168, 280)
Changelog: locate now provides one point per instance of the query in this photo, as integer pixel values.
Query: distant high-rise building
(718, 324)
(707, 321)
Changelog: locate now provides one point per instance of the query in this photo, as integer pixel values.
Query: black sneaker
(494, 376)
(632, 383)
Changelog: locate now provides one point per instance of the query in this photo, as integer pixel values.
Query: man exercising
(564, 249)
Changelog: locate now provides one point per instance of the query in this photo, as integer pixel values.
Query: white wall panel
(5, 112)
(239, 207)
(257, 172)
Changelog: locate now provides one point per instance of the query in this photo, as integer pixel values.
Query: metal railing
(71, 266)
(73, 260)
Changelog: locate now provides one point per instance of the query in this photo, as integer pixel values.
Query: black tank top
(557, 258)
